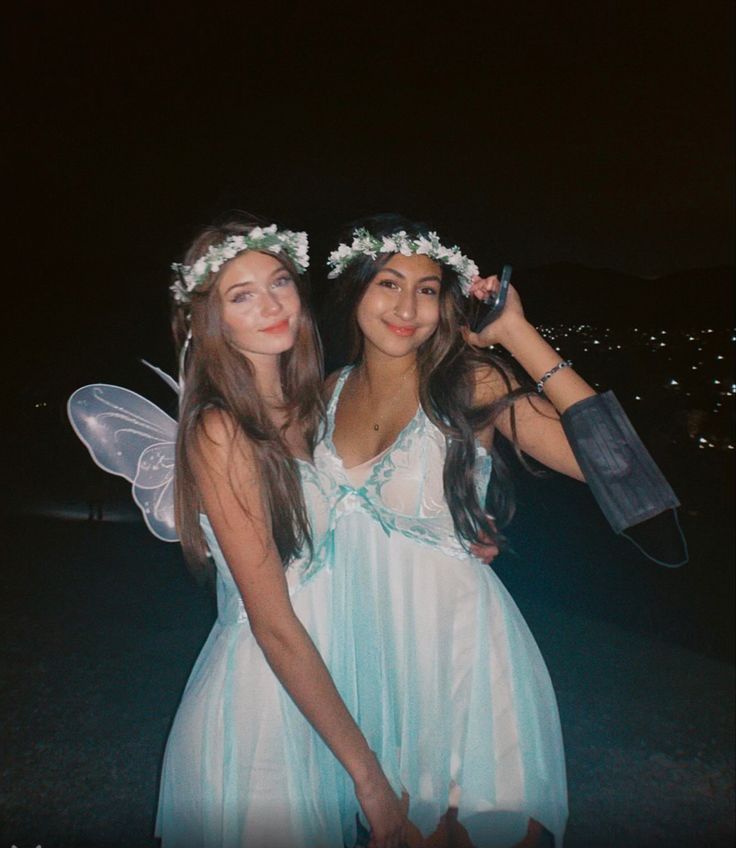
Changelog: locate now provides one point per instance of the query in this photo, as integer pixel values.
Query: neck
(383, 373)
(266, 369)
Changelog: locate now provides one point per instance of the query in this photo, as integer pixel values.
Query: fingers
(473, 339)
(485, 549)
(397, 837)
(393, 840)
(485, 553)
(404, 803)
(482, 287)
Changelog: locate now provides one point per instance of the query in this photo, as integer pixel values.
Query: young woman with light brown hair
(262, 751)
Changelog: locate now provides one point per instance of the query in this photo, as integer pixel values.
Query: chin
(269, 347)
(282, 345)
(397, 346)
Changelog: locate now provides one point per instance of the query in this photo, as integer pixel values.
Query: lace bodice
(403, 490)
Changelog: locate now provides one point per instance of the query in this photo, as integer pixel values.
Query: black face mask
(624, 479)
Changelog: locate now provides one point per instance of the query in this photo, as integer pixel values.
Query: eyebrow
(420, 280)
(235, 285)
(280, 270)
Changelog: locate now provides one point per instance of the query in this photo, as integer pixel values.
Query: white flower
(365, 245)
(424, 246)
(295, 245)
(399, 242)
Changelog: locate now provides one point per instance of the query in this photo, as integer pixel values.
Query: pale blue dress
(243, 768)
(433, 657)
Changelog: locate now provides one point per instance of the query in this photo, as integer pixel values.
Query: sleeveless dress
(242, 766)
(435, 662)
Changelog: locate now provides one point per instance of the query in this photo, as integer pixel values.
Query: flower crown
(295, 245)
(366, 244)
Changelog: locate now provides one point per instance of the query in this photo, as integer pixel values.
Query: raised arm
(230, 489)
(538, 428)
(624, 479)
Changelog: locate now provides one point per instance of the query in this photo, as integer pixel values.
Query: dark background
(597, 134)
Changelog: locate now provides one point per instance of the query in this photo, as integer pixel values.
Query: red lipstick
(402, 331)
(281, 327)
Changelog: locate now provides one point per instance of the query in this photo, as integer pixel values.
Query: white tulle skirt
(242, 767)
(446, 681)
(439, 669)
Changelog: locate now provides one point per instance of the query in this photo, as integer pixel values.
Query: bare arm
(538, 428)
(230, 489)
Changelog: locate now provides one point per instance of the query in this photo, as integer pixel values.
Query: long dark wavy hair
(217, 376)
(447, 369)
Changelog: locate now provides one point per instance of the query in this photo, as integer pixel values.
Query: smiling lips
(281, 327)
(401, 331)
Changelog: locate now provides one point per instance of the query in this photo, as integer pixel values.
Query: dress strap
(332, 405)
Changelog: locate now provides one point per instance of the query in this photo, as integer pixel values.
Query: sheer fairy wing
(153, 489)
(130, 436)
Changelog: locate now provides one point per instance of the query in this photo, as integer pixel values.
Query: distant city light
(702, 386)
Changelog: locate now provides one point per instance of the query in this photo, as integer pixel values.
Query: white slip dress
(433, 657)
(243, 768)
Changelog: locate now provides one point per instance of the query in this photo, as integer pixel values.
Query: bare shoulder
(491, 384)
(219, 440)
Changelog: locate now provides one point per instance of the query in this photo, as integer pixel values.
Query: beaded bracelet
(563, 363)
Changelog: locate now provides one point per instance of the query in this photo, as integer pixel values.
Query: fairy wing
(129, 436)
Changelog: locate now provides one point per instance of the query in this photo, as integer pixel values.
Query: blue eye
(242, 296)
(283, 281)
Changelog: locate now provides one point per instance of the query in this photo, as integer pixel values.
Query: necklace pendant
(376, 427)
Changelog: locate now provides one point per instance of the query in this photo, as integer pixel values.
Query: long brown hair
(217, 376)
(446, 368)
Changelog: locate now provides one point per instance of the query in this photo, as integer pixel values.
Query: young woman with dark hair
(444, 676)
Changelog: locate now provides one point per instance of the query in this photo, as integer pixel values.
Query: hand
(503, 328)
(385, 812)
(485, 549)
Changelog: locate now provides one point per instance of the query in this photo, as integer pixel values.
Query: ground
(100, 626)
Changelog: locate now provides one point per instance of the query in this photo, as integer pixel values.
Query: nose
(271, 304)
(406, 306)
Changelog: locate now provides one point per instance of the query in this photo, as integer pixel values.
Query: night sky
(533, 133)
